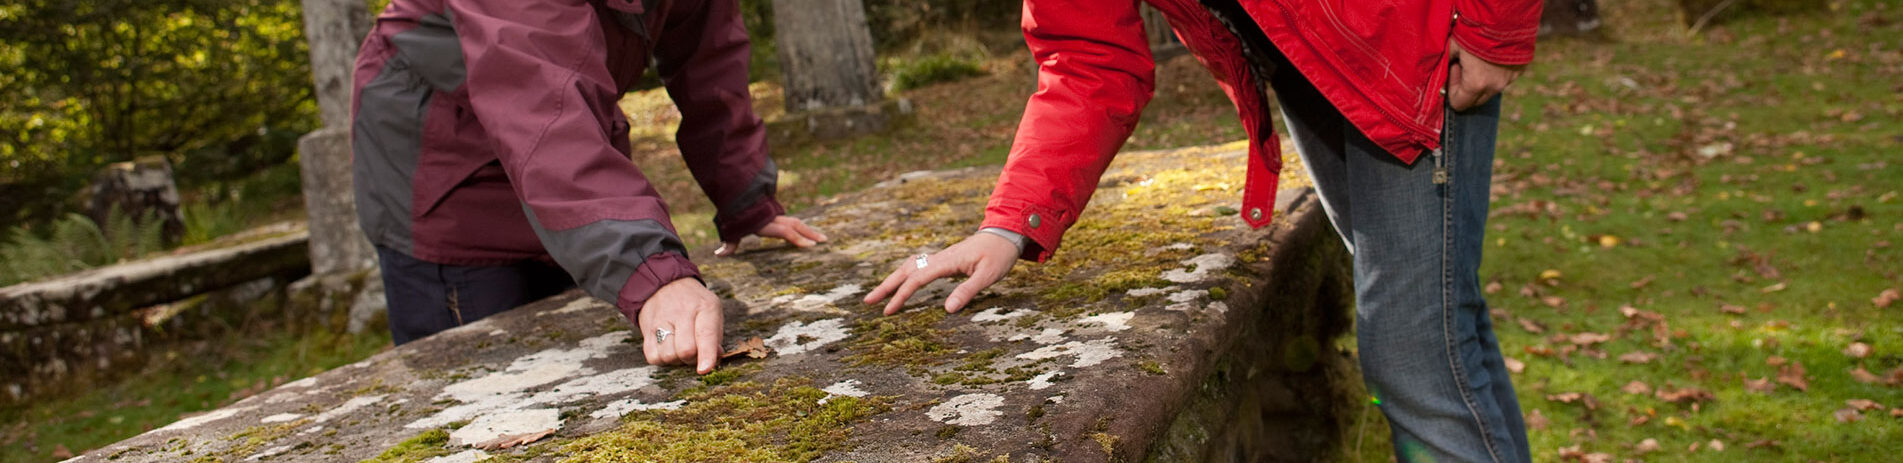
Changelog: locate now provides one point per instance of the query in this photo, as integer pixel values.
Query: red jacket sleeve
(539, 84)
(1095, 75)
(1499, 31)
(702, 57)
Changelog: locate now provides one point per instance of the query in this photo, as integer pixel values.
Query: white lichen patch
(196, 421)
(1180, 247)
(1199, 268)
(280, 418)
(1219, 307)
(787, 341)
(299, 384)
(997, 314)
(494, 425)
(1184, 301)
(466, 456)
(1043, 381)
(498, 332)
(1114, 321)
(812, 302)
(848, 388)
(268, 453)
(1088, 353)
(624, 406)
(1146, 292)
(348, 406)
(577, 305)
(508, 390)
(968, 410)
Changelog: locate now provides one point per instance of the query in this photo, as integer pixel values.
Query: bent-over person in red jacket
(489, 151)
(1393, 106)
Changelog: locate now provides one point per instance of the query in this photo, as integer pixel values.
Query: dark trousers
(426, 297)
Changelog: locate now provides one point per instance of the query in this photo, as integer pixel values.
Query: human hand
(1472, 81)
(784, 227)
(984, 256)
(691, 315)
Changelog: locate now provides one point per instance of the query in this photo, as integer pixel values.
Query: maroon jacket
(487, 132)
(1382, 63)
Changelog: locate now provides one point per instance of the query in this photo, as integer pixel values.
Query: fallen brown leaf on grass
(1776, 361)
(1637, 387)
(1864, 405)
(1848, 415)
(1646, 446)
(1863, 376)
(1531, 326)
(1732, 309)
(1761, 443)
(513, 440)
(1793, 375)
(752, 348)
(1857, 350)
(1638, 356)
(1514, 365)
(1588, 339)
(1588, 400)
(1689, 394)
(1716, 445)
(60, 451)
(1642, 282)
(1885, 298)
(1760, 385)
(1536, 420)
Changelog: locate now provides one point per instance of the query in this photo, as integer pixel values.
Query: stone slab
(1165, 329)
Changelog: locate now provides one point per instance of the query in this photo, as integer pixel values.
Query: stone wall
(1165, 330)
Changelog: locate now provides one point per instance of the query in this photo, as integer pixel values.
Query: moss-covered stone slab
(1165, 330)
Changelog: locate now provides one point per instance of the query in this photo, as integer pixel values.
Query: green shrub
(933, 69)
(76, 243)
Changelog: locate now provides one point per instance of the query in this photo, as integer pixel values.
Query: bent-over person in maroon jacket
(489, 149)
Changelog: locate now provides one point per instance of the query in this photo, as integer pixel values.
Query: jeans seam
(1447, 296)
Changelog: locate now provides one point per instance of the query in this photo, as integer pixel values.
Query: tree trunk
(1569, 17)
(334, 28)
(832, 83)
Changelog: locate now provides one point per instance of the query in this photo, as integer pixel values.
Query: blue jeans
(1427, 349)
(427, 297)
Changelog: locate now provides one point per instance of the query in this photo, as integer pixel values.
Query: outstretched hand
(984, 257)
(690, 316)
(784, 227)
(1472, 81)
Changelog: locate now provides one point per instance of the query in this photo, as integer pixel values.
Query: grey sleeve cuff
(1015, 238)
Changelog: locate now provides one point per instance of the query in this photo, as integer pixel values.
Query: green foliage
(933, 69)
(76, 243)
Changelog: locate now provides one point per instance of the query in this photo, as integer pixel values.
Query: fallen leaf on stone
(1863, 376)
(1689, 394)
(1885, 298)
(752, 348)
(1857, 350)
(1637, 387)
(1760, 385)
(1536, 420)
(1638, 356)
(513, 440)
(1514, 365)
(1848, 415)
(1793, 375)
(1646, 446)
(1531, 326)
(1863, 405)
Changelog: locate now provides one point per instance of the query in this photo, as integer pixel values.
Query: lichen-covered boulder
(1165, 330)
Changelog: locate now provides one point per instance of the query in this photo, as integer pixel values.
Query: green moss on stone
(1151, 367)
(1108, 441)
(1218, 293)
(910, 340)
(737, 422)
(429, 444)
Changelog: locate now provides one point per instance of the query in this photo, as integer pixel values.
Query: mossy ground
(744, 421)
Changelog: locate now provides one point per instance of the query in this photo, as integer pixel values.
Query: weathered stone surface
(832, 82)
(1166, 329)
(337, 243)
(118, 289)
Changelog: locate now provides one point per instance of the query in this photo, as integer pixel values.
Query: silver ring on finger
(661, 334)
(920, 261)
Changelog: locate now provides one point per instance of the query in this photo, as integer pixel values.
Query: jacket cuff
(750, 220)
(1044, 226)
(1507, 46)
(657, 271)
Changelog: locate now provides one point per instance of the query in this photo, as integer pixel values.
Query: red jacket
(488, 131)
(1381, 62)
